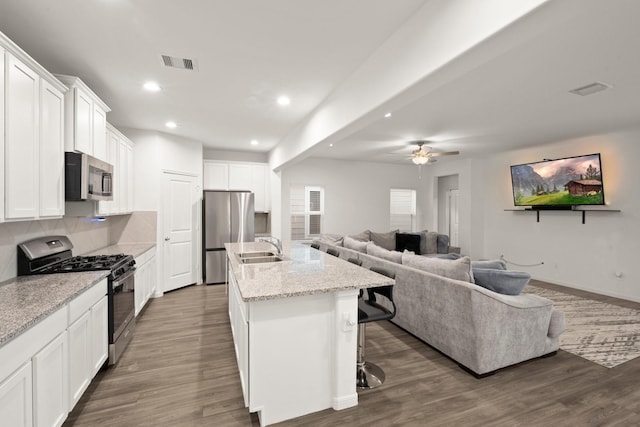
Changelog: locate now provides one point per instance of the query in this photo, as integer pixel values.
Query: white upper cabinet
(99, 132)
(51, 151)
(216, 176)
(22, 94)
(253, 177)
(119, 151)
(85, 119)
(239, 177)
(31, 137)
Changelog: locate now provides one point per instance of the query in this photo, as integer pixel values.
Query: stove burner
(87, 263)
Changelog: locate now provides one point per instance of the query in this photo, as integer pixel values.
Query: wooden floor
(180, 370)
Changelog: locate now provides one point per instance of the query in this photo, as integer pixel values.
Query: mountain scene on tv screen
(573, 181)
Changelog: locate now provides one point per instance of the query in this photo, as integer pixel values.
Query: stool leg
(368, 375)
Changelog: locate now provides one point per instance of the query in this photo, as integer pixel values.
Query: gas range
(118, 264)
(52, 254)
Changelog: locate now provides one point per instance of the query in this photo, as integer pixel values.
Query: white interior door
(179, 217)
(452, 215)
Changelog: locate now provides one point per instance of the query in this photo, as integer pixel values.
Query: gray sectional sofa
(480, 329)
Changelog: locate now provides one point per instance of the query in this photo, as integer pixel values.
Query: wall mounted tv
(559, 184)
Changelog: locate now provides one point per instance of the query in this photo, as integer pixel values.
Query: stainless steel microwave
(87, 178)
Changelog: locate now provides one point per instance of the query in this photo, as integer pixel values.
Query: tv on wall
(559, 183)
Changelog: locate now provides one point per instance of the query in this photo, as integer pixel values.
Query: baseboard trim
(344, 402)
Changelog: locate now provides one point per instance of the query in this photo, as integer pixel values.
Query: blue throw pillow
(505, 282)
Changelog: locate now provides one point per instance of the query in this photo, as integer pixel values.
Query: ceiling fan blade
(448, 153)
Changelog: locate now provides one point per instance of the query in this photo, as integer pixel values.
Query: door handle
(166, 239)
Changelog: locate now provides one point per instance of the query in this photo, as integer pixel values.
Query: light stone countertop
(26, 300)
(135, 249)
(305, 271)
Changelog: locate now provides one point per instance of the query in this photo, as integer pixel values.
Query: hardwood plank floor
(180, 370)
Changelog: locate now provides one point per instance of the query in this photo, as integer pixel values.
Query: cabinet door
(239, 177)
(258, 187)
(16, 404)
(21, 140)
(123, 171)
(216, 176)
(51, 151)
(99, 335)
(50, 383)
(83, 110)
(129, 182)
(79, 358)
(99, 128)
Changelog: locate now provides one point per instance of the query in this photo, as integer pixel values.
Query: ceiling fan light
(419, 160)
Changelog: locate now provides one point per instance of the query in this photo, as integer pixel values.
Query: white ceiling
(248, 52)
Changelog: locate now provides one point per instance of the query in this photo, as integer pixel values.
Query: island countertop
(304, 271)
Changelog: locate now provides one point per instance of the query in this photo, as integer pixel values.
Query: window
(307, 210)
(402, 209)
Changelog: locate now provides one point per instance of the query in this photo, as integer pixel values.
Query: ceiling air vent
(180, 63)
(590, 88)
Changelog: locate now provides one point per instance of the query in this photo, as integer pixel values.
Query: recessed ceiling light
(330, 145)
(284, 100)
(152, 86)
(386, 116)
(254, 142)
(171, 125)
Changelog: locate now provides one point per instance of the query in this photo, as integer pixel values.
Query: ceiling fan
(423, 154)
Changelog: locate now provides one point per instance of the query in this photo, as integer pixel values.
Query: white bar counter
(294, 325)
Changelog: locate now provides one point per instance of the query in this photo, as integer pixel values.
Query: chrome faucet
(277, 244)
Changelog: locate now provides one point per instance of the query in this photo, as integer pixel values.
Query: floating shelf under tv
(568, 209)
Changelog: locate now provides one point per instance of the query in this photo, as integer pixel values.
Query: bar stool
(333, 252)
(355, 261)
(369, 375)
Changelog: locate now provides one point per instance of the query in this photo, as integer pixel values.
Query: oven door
(123, 304)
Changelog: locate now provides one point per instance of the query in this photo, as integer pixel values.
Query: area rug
(602, 333)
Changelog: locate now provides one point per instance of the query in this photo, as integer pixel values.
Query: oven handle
(126, 276)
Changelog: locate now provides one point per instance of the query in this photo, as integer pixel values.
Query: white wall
(356, 193)
(155, 154)
(582, 256)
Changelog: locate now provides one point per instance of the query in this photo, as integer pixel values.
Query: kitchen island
(294, 324)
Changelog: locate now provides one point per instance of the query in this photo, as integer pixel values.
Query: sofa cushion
(333, 239)
(354, 244)
(408, 241)
(377, 251)
(442, 244)
(365, 236)
(385, 240)
(496, 264)
(459, 269)
(431, 243)
(447, 256)
(505, 282)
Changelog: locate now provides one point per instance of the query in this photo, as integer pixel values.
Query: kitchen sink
(243, 255)
(261, 259)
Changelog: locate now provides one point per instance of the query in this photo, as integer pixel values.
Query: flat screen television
(559, 184)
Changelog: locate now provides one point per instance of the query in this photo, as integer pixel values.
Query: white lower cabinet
(99, 325)
(145, 279)
(240, 331)
(79, 358)
(16, 401)
(50, 382)
(87, 338)
(45, 370)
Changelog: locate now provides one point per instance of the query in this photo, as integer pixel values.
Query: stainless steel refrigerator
(227, 218)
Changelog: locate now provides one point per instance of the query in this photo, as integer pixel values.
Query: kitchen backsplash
(86, 234)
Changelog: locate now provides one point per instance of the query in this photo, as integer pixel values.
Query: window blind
(402, 209)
